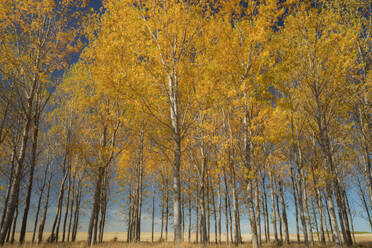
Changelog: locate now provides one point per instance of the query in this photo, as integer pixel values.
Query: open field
(117, 239)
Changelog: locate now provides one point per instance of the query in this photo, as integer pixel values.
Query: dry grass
(364, 240)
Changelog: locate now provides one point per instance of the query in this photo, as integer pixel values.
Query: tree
(37, 39)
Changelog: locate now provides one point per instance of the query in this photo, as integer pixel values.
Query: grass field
(117, 240)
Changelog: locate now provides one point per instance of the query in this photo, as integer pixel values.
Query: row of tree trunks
(136, 196)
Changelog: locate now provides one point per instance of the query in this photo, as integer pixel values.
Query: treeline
(212, 109)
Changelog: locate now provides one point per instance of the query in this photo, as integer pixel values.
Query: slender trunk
(332, 216)
(103, 209)
(67, 203)
(248, 161)
(203, 213)
(43, 218)
(152, 215)
(15, 186)
(197, 213)
(296, 204)
(326, 225)
(166, 216)
(190, 219)
(284, 214)
(264, 215)
(77, 212)
(130, 214)
(71, 209)
(139, 214)
(308, 217)
(266, 211)
(226, 208)
(219, 211)
(13, 200)
(103, 213)
(273, 211)
(365, 151)
(60, 201)
(177, 214)
(235, 207)
(208, 213)
(9, 233)
(215, 217)
(162, 216)
(301, 207)
(351, 217)
(278, 213)
(203, 191)
(231, 220)
(14, 226)
(252, 216)
(58, 223)
(365, 205)
(343, 212)
(329, 221)
(320, 212)
(183, 219)
(31, 177)
(95, 209)
(258, 212)
(315, 217)
(39, 201)
(8, 188)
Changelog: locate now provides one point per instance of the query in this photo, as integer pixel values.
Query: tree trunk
(219, 211)
(152, 215)
(12, 205)
(167, 216)
(332, 216)
(177, 214)
(343, 212)
(308, 217)
(13, 200)
(162, 216)
(8, 190)
(77, 212)
(296, 204)
(31, 177)
(129, 225)
(39, 201)
(351, 217)
(226, 207)
(190, 209)
(74, 193)
(301, 207)
(365, 205)
(14, 226)
(43, 218)
(266, 212)
(67, 203)
(284, 214)
(258, 208)
(320, 212)
(60, 200)
(278, 213)
(330, 222)
(315, 217)
(231, 220)
(248, 162)
(197, 214)
(95, 210)
(215, 216)
(273, 211)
